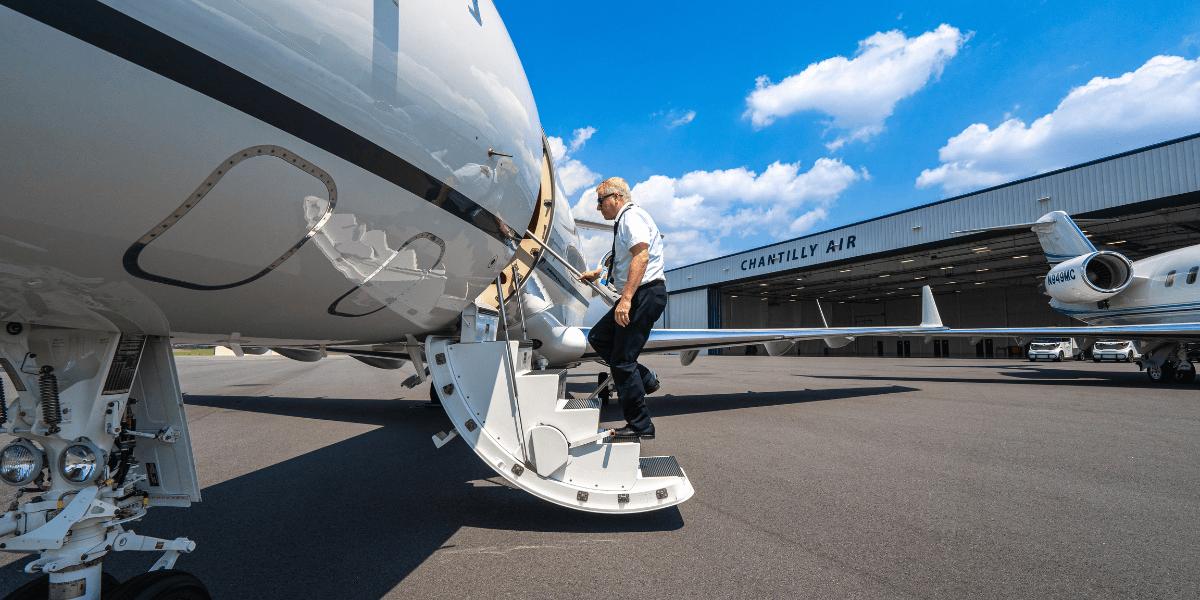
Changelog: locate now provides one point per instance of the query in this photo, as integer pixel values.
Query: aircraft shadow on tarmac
(666, 405)
(353, 519)
(349, 521)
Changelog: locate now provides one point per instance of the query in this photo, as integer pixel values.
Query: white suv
(1114, 350)
(1054, 349)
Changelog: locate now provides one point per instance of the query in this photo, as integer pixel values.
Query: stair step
(660, 466)
(529, 439)
(621, 439)
(576, 403)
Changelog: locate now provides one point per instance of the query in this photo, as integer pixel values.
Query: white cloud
(582, 135)
(697, 210)
(558, 150)
(683, 120)
(1158, 101)
(572, 174)
(859, 93)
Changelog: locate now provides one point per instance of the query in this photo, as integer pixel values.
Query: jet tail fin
(1059, 235)
(929, 311)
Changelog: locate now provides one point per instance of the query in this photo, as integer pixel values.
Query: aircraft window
(575, 258)
(1192, 275)
(1171, 279)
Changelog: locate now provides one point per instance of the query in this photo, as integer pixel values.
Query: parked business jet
(359, 177)
(1154, 301)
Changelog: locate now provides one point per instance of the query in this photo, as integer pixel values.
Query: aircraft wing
(779, 341)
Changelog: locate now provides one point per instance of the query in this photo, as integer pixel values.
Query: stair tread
(576, 403)
(659, 466)
(620, 440)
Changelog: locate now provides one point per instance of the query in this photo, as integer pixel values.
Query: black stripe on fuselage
(125, 37)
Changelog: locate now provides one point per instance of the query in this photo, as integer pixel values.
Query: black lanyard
(612, 255)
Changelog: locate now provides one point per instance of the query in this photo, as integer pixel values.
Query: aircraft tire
(39, 588)
(1161, 375)
(167, 584)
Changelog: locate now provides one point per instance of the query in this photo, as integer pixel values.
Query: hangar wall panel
(688, 310)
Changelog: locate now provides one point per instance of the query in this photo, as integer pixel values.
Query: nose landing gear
(93, 460)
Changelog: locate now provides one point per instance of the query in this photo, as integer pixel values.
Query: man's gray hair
(614, 184)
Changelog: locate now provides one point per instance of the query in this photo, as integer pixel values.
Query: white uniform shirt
(634, 226)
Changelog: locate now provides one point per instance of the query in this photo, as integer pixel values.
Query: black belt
(655, 283)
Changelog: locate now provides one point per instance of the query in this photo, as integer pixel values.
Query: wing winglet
(929, 310)
(819, 310)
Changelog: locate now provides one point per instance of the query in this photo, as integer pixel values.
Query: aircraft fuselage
(289, 175)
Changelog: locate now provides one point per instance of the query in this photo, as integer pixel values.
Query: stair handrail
(510, 374)
(603, 293)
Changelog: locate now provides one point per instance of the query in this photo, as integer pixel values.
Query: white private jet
(366, 178)
(1154, 301)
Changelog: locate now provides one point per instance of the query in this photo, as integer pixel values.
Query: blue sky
(739, 124)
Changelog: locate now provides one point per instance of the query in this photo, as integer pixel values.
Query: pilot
(638, 271)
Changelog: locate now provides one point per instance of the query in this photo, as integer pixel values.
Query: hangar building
(871, 272)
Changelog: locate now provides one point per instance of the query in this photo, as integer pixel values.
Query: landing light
(20, 463)
(80, 462)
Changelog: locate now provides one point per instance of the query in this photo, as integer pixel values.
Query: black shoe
(651, 385)
(626, 432)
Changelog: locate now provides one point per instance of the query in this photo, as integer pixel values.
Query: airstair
(518, 421)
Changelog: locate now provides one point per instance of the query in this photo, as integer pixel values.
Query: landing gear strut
(90, 459)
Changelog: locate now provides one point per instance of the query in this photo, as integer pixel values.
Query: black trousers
(620, 347)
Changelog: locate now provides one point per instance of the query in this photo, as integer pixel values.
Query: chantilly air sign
(809, 251)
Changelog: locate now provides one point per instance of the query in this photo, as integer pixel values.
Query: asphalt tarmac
(814, 477)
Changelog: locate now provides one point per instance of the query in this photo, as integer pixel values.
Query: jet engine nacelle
(1089, 278)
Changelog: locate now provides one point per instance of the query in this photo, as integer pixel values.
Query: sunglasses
(601, 199)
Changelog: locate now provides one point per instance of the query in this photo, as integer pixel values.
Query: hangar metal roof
(1100, 187)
